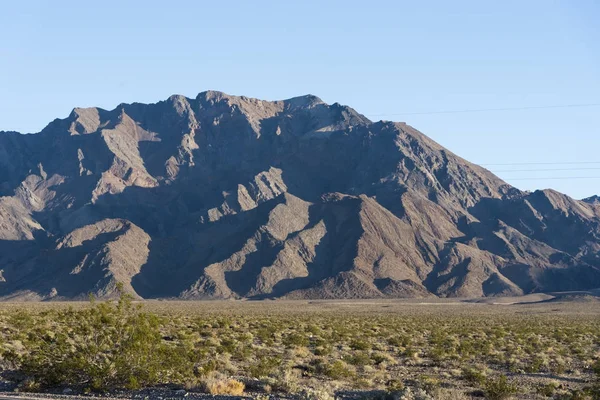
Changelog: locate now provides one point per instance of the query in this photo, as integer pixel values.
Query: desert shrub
(228, 346)
(428, 383)
(594, 390)
(266, 334)
(406, 393)
(315, 394)
(337, 370)
(535, 365)
(409, 352)
(557, 368)
(360, 345)
(596, 369)
(359, 359)
(230, 387)
(574, 395)
(295, 339)
(284, 381)
(450, 394)
(394, 385)
(322, 350)
(264, 366)
(499, 388)
(399, 341)
(474, 376)
(109, 345)
(22, 321)
(379, 358)
(547, 390)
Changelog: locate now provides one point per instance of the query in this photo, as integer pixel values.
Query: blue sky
(380, 57)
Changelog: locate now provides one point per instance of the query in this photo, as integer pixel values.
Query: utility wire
(551, 178)
(488, 109)
(544, 169)
(546, 163)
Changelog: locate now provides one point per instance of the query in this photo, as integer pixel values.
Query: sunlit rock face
(231, 197)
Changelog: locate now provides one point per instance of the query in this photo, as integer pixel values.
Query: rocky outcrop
(222, 196)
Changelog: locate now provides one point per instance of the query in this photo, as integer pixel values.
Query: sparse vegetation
(308, 353)
(548, 389)
(105, 346)
(499, 388)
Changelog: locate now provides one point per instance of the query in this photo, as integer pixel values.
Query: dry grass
(225, 387)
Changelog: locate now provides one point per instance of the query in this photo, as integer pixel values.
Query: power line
(544, 169)
(552, 178)
(488, 109)
(547, 163)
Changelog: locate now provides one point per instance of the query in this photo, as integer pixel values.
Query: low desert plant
(315, 394)
(337, 370)
(264, 366)
(474, 376)
(596, 368)
(230, 387)
(547, 390)
(394, 385)
(109, 345)
(428, 383)
(499, 388)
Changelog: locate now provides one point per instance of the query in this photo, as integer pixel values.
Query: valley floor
(526, 348)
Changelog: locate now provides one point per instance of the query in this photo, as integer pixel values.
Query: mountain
(232, 197)
(595, 199)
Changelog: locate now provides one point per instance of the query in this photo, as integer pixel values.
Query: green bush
(109, 345)
(547, 390)
(359, 359)
(360, 345)
(295, 339)
(596, 368)
(337, 370)
(474, 376)
(264, 366)
(499, 388)
(394, 385)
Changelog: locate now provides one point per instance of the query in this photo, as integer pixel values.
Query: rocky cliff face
(231, 197)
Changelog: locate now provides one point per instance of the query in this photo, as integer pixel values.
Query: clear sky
(380, 57)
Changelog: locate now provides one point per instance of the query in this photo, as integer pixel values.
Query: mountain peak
(214, 95)
(595, 199)
(307, 100)
(85, 120)
(232, 196)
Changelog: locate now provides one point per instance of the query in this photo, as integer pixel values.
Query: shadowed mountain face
(231, 197)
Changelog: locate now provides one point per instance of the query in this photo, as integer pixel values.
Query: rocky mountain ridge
(223, 196)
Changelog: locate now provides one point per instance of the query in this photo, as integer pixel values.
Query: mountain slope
(231, 197)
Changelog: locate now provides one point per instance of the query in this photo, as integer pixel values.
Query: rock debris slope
(231, 197)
